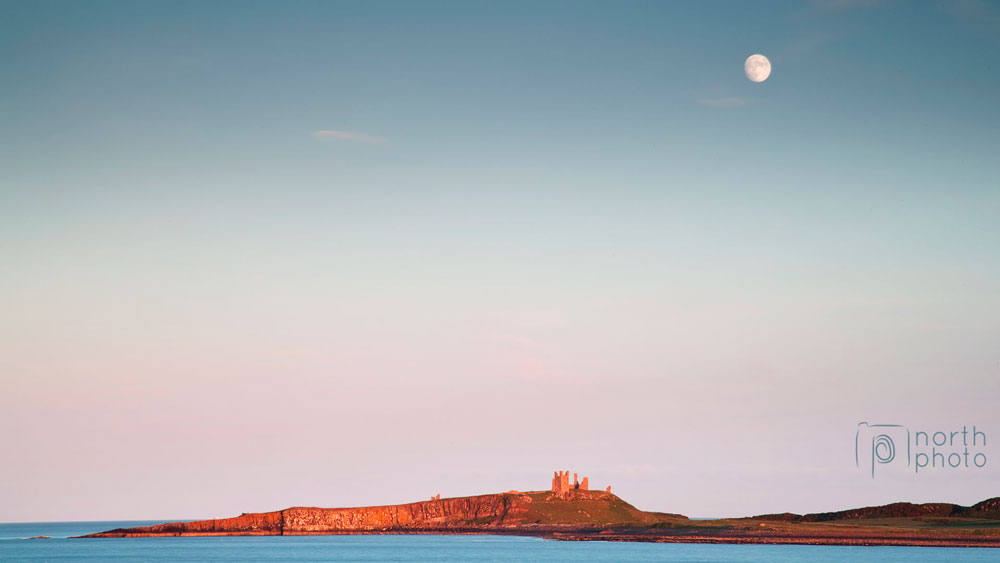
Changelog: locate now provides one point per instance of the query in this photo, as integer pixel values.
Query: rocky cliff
(544, 511)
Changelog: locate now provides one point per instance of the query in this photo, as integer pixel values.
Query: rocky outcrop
(449, 512)
(894, 510)
(542, 510)
(988, 509)
(260, 524)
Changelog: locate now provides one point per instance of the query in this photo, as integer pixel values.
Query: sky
(256, 255)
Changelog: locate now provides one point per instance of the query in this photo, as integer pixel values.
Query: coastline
(622, 536)
(582, 515)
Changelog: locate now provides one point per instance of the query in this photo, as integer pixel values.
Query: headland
(573, 512)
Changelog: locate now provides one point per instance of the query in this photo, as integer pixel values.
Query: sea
(14, 546)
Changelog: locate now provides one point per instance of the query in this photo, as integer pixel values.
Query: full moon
(757, 67)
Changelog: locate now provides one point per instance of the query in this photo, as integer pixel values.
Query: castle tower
(560, 482)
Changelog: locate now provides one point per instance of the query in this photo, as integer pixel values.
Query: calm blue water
(426, 548)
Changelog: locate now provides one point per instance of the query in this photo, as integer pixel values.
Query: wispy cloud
(349, 136)
(723, 102)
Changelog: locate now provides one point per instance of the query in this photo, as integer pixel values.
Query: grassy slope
(596, 508)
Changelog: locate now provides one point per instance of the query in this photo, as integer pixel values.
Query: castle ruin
(561, 486)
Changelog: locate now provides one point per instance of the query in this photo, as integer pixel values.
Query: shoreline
(638, 536)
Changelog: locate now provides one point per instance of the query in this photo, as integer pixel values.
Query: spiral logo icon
(875, 445)
(883, 449)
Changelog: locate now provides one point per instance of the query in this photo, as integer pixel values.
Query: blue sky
(411, 213)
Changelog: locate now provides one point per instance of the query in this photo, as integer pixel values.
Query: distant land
(572, 512)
